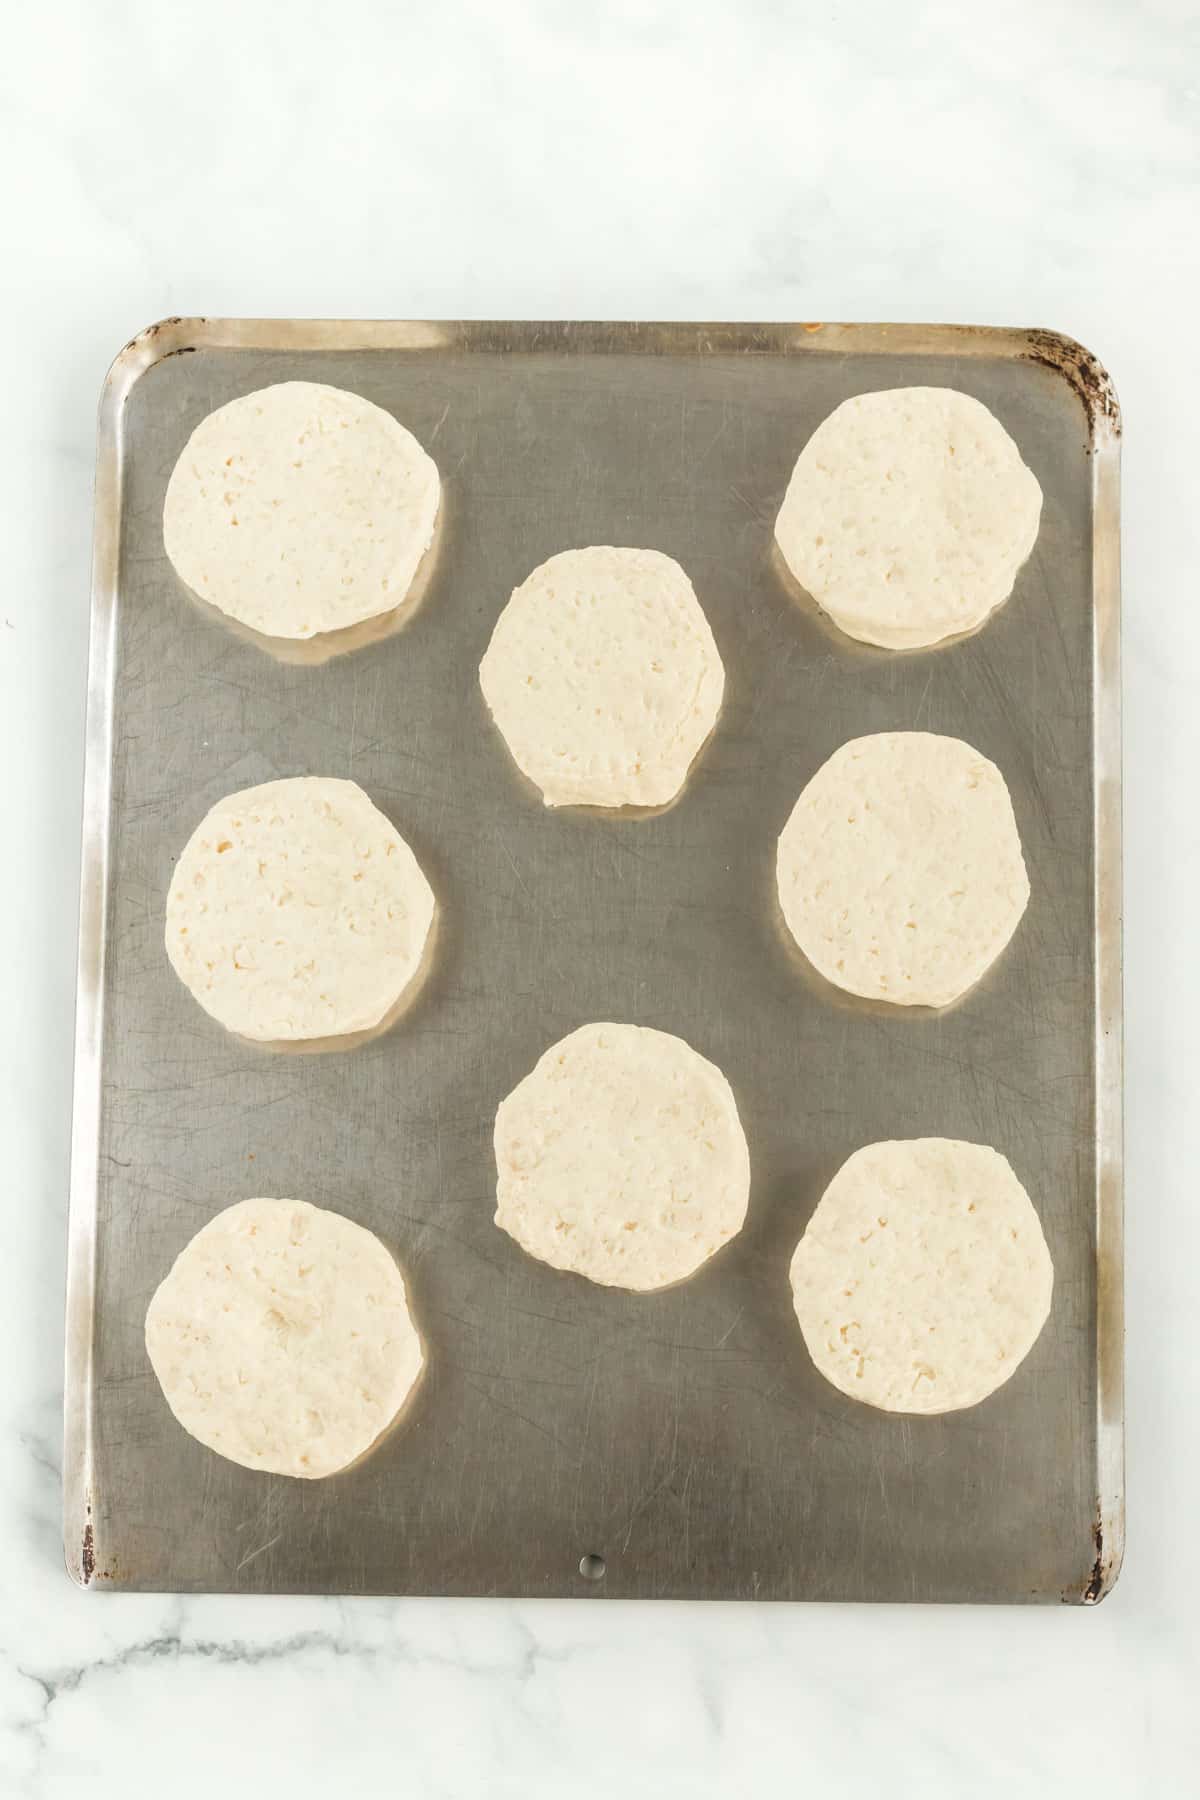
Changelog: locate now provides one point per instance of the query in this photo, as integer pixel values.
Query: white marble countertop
(1028, 163)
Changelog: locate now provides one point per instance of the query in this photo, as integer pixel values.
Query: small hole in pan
(591, 1566)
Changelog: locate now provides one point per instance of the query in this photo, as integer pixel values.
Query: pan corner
(1084, 374)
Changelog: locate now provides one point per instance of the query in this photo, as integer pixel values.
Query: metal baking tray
(681, 1443)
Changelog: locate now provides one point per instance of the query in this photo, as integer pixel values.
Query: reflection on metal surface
(682, 1441)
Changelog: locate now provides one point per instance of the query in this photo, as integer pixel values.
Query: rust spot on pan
(87, 1559)
(1106, 1566)
(1082, 372)
(1094, 1590)
(148, 335)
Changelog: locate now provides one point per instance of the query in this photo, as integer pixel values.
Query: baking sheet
(682, 1441)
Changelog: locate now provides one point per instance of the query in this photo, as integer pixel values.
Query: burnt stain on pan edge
(1082, 372)
(1098, 1580)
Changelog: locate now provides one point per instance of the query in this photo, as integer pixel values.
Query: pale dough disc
(908, 515)
(622, 1158)
(300, 509)
(923, 1278)
(297, 911)
(603, 677)
(900, 870)
(282, 1338)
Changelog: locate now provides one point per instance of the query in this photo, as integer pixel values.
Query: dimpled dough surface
(621, 1157)
(297, 911)
(923, 1278)
(908, 515)
(300, 509)
(603, 677)
(281, 1338)
(900, 871)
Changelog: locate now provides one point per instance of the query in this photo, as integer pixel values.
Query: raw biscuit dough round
(908, 515)
(297, 911)
(923, 1278)
(300, 509)
(603, 677)
(282, 1339)
(900, 871)
(622, 1157)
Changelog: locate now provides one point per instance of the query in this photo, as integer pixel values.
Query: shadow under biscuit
(863, 1005)
(313, 651)
(586, 809)
(353, 1040)
(402, 1418)
(845, 641)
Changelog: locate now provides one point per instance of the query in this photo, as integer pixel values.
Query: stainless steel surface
(683, 1438)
